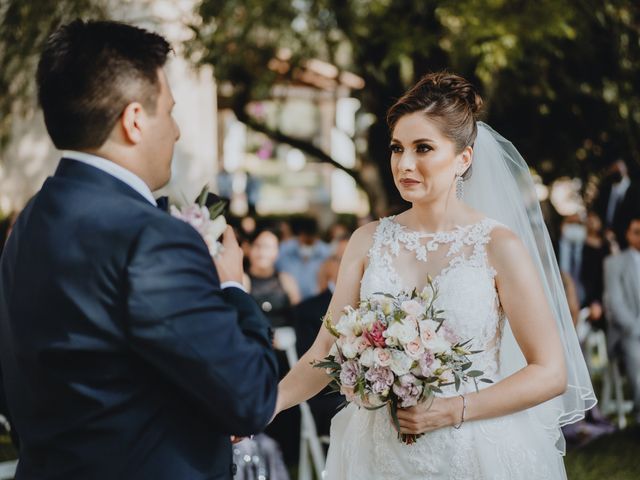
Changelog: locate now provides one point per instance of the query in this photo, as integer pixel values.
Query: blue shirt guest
(303, 255)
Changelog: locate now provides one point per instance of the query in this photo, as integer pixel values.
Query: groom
(125, 353)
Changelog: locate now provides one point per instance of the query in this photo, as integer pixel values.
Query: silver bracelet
(464, 408)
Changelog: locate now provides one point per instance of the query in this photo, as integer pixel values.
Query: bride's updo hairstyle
(448, 100)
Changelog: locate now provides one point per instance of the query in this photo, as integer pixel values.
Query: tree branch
(300, 144)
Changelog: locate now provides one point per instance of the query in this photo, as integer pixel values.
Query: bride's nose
(407, 163)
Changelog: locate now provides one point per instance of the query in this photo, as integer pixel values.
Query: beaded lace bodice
(400, 259)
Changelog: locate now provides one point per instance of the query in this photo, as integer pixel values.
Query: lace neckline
(458, 229)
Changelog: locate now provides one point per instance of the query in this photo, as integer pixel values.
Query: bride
(475, 227)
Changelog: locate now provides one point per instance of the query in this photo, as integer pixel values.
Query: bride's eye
(423, 148)
(395, 148)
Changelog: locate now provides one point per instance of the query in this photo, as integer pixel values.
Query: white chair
(310, 443)
(594, 345)
(7, 469)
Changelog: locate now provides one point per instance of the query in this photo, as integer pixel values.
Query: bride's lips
(409, 182)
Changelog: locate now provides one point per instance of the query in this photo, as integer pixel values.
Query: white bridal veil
(502, 188)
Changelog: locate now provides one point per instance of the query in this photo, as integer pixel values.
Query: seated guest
(274, 291)
(622, 304)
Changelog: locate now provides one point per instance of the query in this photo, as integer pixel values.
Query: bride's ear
(464, 160)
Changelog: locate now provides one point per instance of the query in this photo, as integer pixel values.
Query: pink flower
(449, 335)
(381, 357)
(414, 349)
(427, 333)
(349, 373)
(380, 378)
(375, 335)
(408, 390)
(194, 215)
(425, 364)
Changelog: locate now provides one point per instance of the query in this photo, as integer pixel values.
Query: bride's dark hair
(447, 99)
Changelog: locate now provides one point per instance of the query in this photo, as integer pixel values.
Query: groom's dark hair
(89, 72)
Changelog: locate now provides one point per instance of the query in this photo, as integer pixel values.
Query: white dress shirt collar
(114, 170)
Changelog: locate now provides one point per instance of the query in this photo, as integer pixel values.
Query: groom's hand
(229, 262)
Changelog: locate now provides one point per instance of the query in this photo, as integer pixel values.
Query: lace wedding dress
(364, 443)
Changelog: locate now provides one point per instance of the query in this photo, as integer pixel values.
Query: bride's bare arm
(304, 381)
(534, 327)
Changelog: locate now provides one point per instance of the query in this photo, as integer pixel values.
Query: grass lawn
(610, 457)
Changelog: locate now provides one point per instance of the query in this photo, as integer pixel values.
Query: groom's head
(103, 90)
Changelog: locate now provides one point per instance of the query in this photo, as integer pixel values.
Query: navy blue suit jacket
(121, 355)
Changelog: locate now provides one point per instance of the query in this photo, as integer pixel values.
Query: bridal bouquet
(397, 351)
(208, 221)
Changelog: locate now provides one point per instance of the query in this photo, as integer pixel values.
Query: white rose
(350, 347)
(367, 358)
(381, 357)
(437, 345)
(414, 349)
(411, 307)
(427, 331)
(368, 319)
(348, 325)
(400, 362)
(334, 350)
(404, 331)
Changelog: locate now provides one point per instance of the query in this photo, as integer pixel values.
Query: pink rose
(375, 335)
(381, 357)
(414, 349)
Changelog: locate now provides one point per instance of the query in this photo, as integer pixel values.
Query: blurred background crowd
(282, 111)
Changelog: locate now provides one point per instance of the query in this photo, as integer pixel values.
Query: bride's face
(424, 162)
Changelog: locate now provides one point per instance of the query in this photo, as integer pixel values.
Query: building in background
(268, 178)
(30, 156)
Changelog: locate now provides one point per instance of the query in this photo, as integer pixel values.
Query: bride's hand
(429, 416)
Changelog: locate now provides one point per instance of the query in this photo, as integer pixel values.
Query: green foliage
(560, 77)
(557, 75)
(24, 27)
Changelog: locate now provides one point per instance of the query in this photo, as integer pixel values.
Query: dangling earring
(459, 187)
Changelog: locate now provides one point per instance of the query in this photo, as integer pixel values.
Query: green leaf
(474, 373)
(394, 415)
(217, 209)
(202, 197)
(486, 380)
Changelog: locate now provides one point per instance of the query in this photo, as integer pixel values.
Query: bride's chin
(412, 197)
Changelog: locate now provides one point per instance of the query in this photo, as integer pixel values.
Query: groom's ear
(132, 121)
